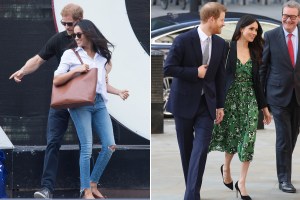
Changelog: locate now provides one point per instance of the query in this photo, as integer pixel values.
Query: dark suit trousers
(194, 137)
(287, 122)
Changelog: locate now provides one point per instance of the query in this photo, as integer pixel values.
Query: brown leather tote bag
(79, 91)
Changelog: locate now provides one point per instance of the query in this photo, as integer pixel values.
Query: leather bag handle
(78, 56)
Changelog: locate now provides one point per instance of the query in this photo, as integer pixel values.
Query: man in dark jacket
(58, 118)
(197, 91)
(280, 76)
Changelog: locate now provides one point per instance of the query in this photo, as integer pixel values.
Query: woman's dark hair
(92, 33)
(256, 47)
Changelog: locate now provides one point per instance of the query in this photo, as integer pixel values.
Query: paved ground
(167, 181)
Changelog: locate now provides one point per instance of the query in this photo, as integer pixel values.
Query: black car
(165, 29)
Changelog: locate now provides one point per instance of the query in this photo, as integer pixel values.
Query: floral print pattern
(237, 131)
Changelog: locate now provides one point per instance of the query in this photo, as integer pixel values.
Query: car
(166, 28)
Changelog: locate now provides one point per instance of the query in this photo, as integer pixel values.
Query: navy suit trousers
(287, 122)
(194, 136)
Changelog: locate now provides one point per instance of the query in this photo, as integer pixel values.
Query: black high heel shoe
(238, 190)
(229, 185)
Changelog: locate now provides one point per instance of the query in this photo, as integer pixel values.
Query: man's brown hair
(74, 10)
(291, 4)
(211, 9)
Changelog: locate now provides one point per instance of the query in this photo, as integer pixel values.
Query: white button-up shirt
(69, 61)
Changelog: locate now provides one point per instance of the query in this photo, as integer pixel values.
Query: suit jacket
(278, 76)
(183, 60)
(231, 70)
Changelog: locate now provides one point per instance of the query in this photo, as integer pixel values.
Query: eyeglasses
(292, 17)
(67, 23)
(78, 35)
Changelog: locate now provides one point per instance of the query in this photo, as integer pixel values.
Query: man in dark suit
(280, 76)
(196, 61)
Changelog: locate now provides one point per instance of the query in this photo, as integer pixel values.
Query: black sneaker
(44, 193)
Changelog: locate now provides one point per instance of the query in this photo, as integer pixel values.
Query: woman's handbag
(79, 91)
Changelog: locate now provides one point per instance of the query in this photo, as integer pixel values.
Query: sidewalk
(167, 182)
(273, 10)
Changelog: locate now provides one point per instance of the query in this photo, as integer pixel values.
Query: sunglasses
(78, 35)
(67, 23)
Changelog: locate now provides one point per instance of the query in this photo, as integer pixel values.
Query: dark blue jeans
(57, 126)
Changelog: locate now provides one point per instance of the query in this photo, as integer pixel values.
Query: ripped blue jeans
(87, 119)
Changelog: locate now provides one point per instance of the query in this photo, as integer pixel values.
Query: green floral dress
(237, 131)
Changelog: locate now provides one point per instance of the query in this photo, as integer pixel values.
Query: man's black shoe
(44, 193)
(287, 187)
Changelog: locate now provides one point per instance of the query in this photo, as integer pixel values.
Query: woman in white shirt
(92, 47)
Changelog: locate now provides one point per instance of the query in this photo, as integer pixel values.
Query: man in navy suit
(280, 76)
(196, 61)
